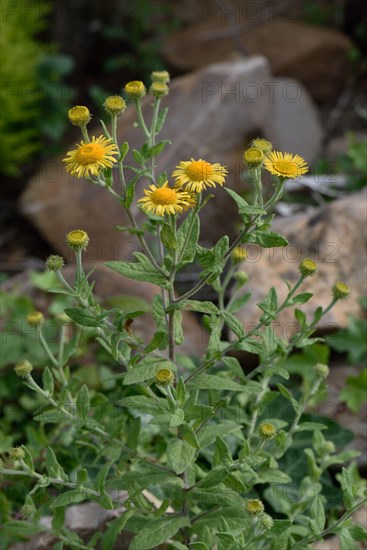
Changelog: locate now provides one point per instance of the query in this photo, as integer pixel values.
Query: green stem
(85, 133)
(46, 347)
(141, 118)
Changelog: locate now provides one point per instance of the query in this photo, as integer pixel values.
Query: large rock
(213, 114)
(314, 55)
(334, 236)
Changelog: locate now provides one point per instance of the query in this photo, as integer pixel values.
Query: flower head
(90, 158)
(262, 144)
(17, 453)
(307, 267)
(79, 115)
(322, 370)
(340, 291)
(197, 175)
(266, 522)
(267, 430)
(254, 156)
(285, 165)
(135, 89)
(160, 76)
(23, 368)
(164, 377)
(238, 255)
(55, 263)
(114, 105)
(159, 89)
(254, 506)
(165, 200)
(77, 239)
(35, 318)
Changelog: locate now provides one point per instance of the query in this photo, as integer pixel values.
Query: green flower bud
(158, 89)
(23, 368)
(16, 453)
(160, 76)
(322, 370)
(262, 144)
(241, 277)
(266, 522)
(55, 263)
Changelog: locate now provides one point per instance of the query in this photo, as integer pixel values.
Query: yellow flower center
(286, 167)
(89, 153)
(164, 195)
(199, 170)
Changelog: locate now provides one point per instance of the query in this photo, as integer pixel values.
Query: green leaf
(157, 532)
(189, 435)
(69, 497)
(318, 513)
(138, 157)
(214, 477)
(28, 460)
(114, 529)
(238, 303)
(272, 475)
(267, 239)
(244, 208)
(20, 528)
(310, 426)
(233, 324)
(58, 518)
(180, 455)
(222, 454)
(83, 403)
(100, 480)
(287, 394)
(54, 469)
(168, 237)
(214, 382)
(301, 298)
(351, 340)
(131, 230)
(347, 489)
(178, 334)
(200, 307)
(124, 149)
(48, 381)
(354, 393)
(141, 270)
(181, 392)
(160, 120)
(187, 244)
(158, 148)
(79, 316)
(234, 366)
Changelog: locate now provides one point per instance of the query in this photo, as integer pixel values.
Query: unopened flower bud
(340, 291)
(35, 318)
(164, 377)
(23, 368)
(160, 76)
(307, 267)
(158, 89)
(55, 263)
(79, 115)
(62, 318)
(262, 144)
(16, 453)
(322, 370)
(135, 89)
(254, 156)
(241, 277)
(328, 447)
(238, 255)
(267, 430)
(77, 239)
(266, 522)
(254, 507)
(114, 105)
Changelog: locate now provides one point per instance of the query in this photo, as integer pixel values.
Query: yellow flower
(267, 430)
(341, 291)
(262, 144)
(165, 200)
(135, 89)
(307, 267)
(285, 165)
(238, 255)
(197, 175)
(164, 377)
(254, 156)
(77, 239)
(114, 105)
(79, 115)
(254, 506)
(90, 158)
(35, 318)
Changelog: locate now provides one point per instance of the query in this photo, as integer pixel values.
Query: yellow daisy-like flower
(79, 115)
(90, 158)
(197, 175)
(285, 165)
(166, 200)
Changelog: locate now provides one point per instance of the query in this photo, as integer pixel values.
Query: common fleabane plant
(196, 432)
